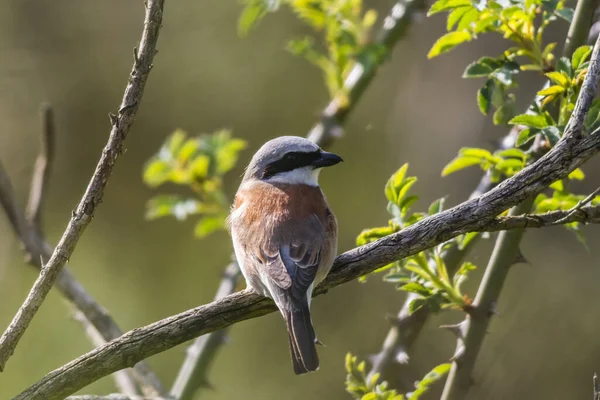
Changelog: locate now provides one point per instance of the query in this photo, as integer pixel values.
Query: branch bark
(82, 215)
(506, 250)
(569, 153)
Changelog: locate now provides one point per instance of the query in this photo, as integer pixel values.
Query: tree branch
(193, 373)
(506, 250)
(407, 326)
(41, 170)
(82, 215)
(569, 153)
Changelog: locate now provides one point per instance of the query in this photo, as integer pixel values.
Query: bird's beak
(327, 160)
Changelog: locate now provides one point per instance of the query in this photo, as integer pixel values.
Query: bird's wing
(292, 255)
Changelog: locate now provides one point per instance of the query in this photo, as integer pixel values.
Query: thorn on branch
(520, 258)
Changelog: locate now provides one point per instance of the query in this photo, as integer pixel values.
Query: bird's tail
(302, 338)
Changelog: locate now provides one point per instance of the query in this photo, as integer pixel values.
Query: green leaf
(566, 14)
(577, 174)
(552, 90)
(448, 42)
(395, 183)
(482, 154)
(510, 165)
(437, 206)
(253, 12)
(559, 78)
(551, 133)
(370, 235)
(525, 136)
(482, 67)
(504, 113)
(564, 65)
(484, 96)
(444, 5)
(417, 288)
(511, 153)
(156, 172)
(208, 225)
(459, 163)
(580, 56)
(175, 141)
(465, 23)
(187, 150)
(532, 120)
(506, 72)
(199, 167)
(455, 16)
(415, 304)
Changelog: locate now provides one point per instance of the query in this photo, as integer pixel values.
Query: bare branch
(578, 206)
(469, 216)
(42, 168)
(82, 215)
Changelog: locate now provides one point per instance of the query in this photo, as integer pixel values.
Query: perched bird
(284, 234)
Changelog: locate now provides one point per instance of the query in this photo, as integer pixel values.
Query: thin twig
(193, 373)
(82, 215)
(472, 215)
(578, 206)
(42, 168)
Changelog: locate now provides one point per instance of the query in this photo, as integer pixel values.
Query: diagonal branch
(82, 215)
(506, 249)
(569, 153)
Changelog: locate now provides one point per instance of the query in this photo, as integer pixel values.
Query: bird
(285, 235)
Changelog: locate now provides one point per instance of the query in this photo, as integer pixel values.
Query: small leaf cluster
(198, 163)
(563, 91)
(563, 200)
(362, 388)
(424, 274)
(500, 164)
(347, 30)
(522, 22)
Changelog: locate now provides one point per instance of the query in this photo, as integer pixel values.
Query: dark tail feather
(302, 339)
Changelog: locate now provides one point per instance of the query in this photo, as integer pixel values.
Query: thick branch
(568, 154)
(506, 249)
(82, 215)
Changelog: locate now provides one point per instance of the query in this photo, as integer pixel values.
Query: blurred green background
(77, 55)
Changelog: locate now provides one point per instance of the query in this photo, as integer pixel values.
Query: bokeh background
(77, 55)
